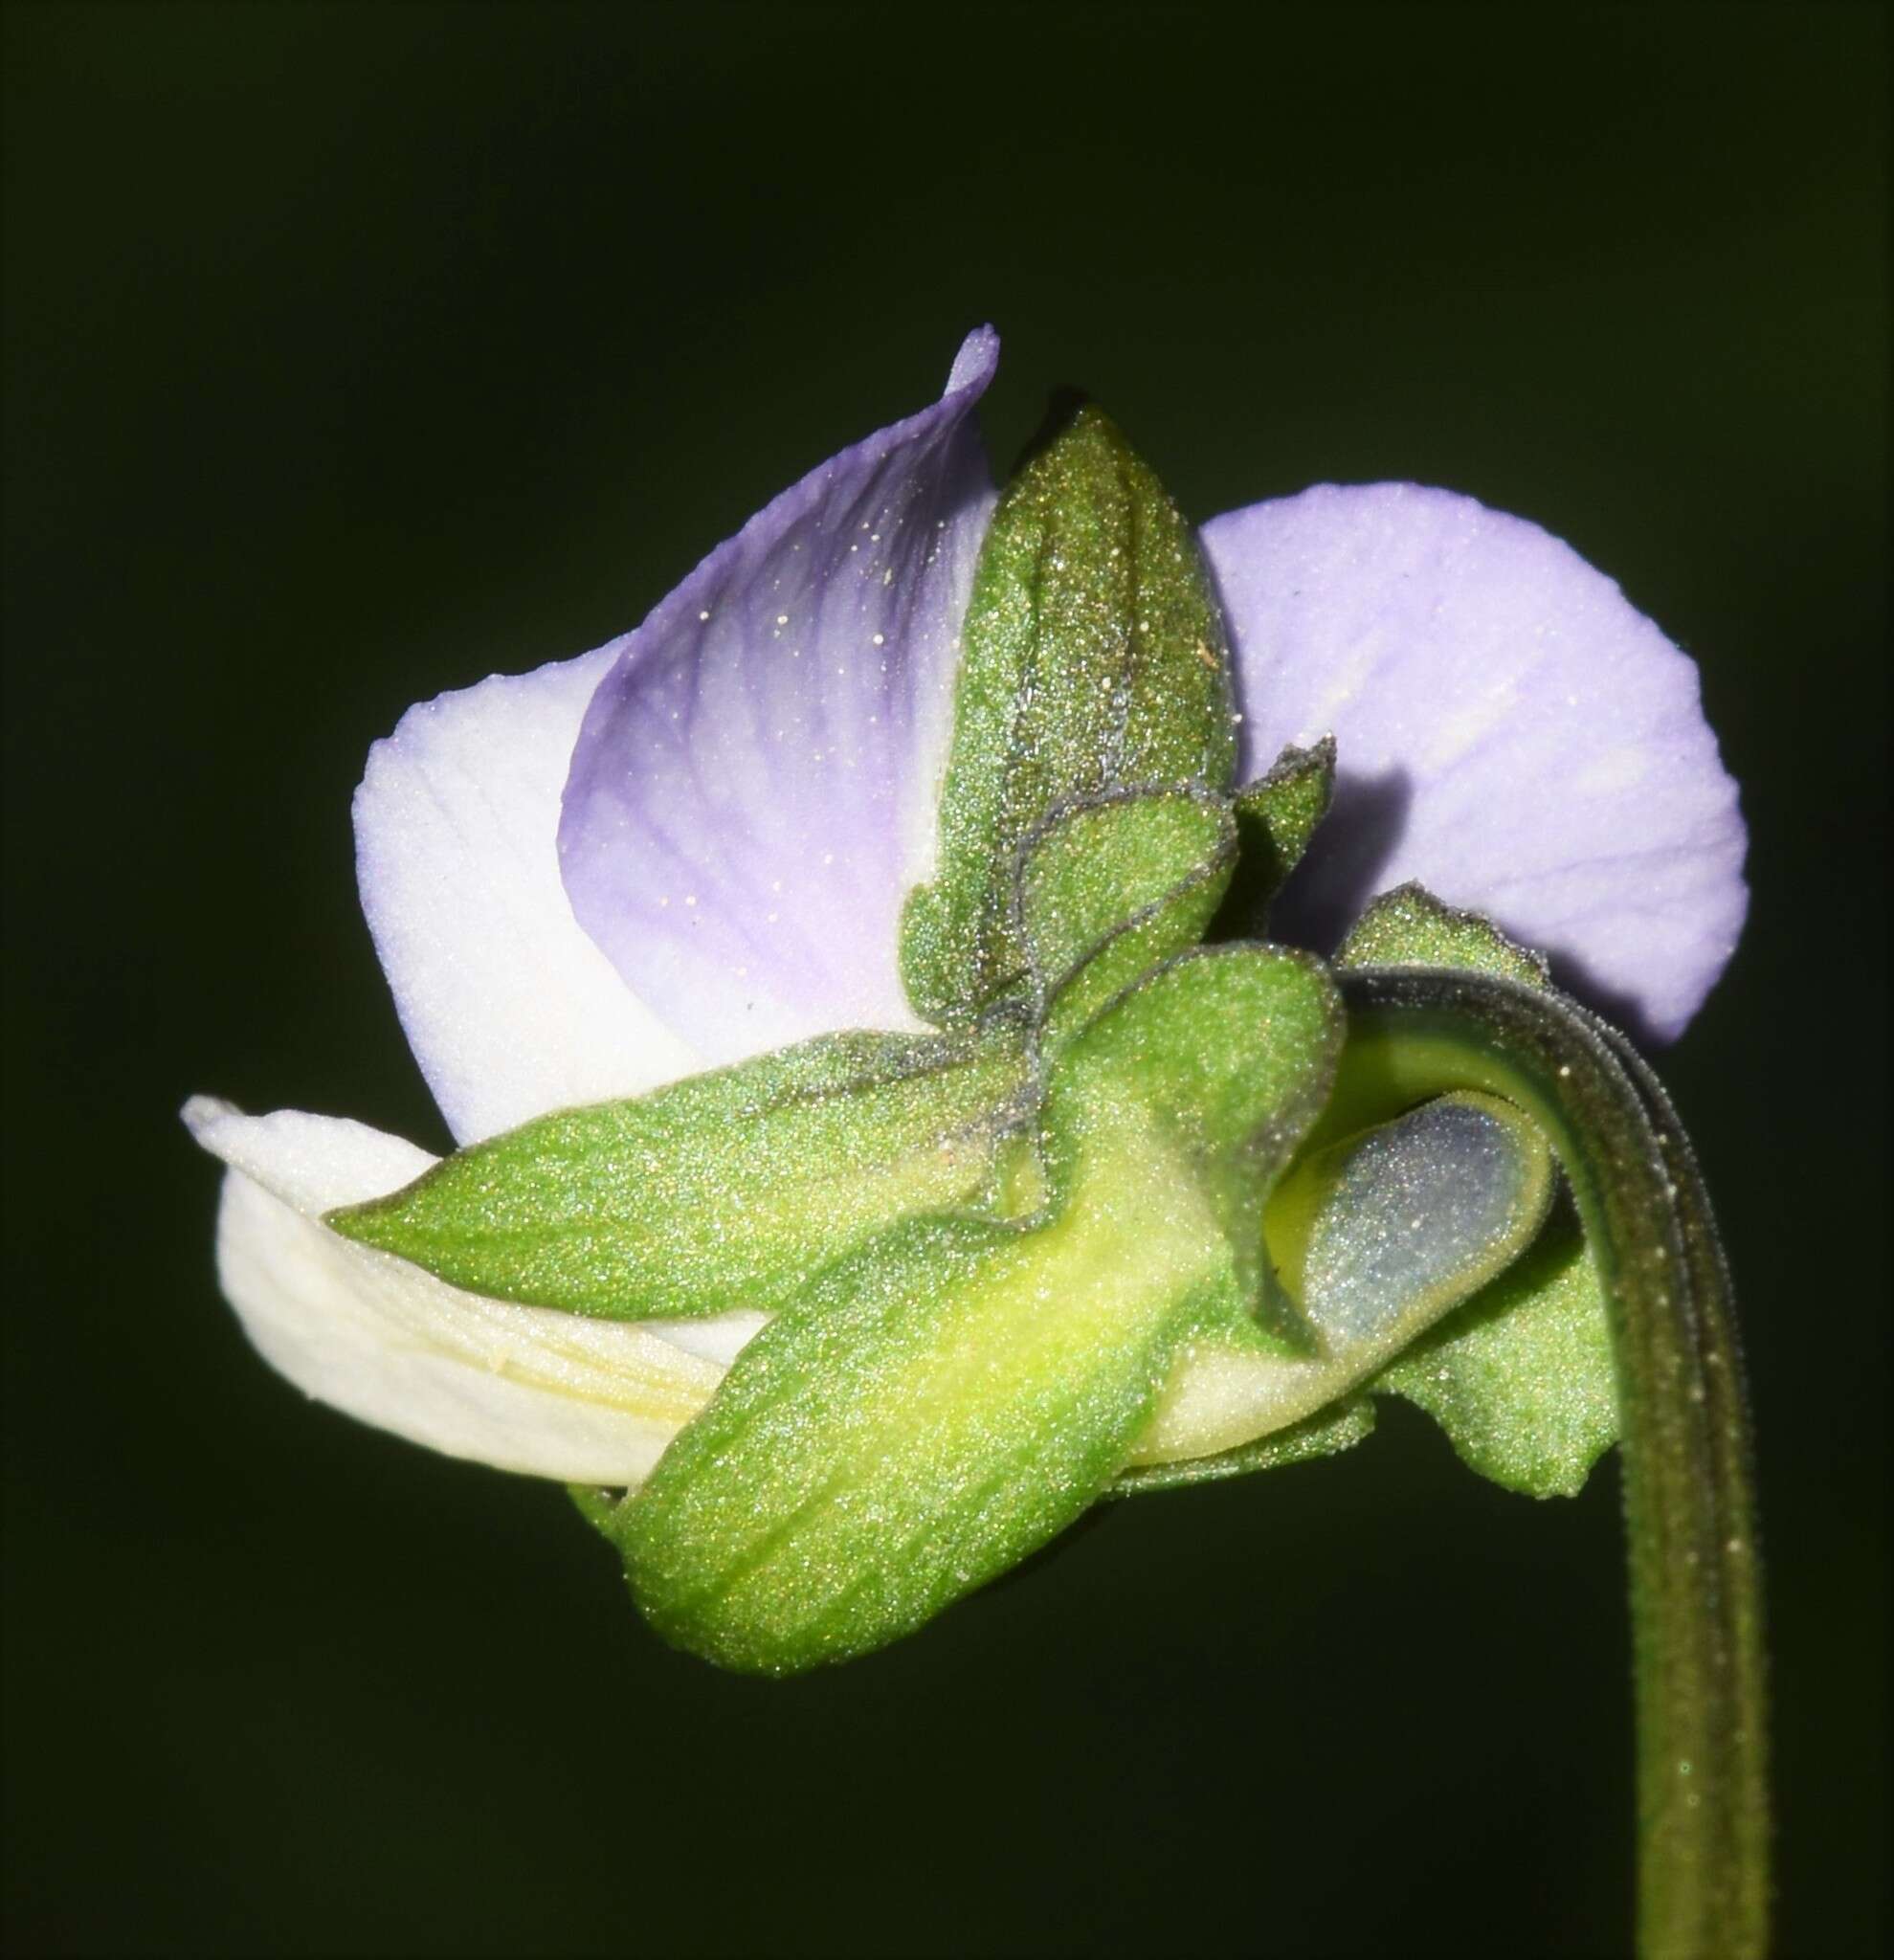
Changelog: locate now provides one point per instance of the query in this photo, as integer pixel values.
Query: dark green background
(353, 353)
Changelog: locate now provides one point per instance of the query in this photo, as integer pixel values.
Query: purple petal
(509, 1008)
(753, 790)
(1512, 732)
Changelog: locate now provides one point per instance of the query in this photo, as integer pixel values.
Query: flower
(692, 846)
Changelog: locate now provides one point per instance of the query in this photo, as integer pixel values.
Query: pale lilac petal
(510, 1009)
(1511, 733)
(753, 792)
(523, 1388)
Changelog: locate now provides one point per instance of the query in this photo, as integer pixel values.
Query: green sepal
(1521, 1376)
(727, 1189)
(1408, 927)
(935, 1409)
(1093, 659)
(1233, 1050)
(1112, 888)
(1326, 1434)
(936, 1406)
(1275, 817)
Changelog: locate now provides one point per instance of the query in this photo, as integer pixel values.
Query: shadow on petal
(1327, 892)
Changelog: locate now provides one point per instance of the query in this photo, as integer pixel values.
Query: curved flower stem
(1696, 1594)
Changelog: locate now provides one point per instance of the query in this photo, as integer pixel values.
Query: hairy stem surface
(1696, 1593)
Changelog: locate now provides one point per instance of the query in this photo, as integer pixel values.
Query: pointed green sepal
(725, 1190)
(1094, 659)
(1275, 817)
(1110, 889)
(1408, 927)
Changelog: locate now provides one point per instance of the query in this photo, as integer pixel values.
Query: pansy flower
(692, 847)
(937, 1026)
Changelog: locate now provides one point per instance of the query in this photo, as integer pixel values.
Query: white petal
(510, 1009)
(521, 1388)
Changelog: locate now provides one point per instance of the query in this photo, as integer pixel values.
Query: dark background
(355, 352)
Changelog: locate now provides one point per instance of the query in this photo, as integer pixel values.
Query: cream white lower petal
(1220, 1396)
(524, 1388)
(721, 1338)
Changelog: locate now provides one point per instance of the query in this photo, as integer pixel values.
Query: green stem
(1696, 1589)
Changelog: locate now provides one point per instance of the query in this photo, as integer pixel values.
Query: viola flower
(698, 845)
(889, 1119)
